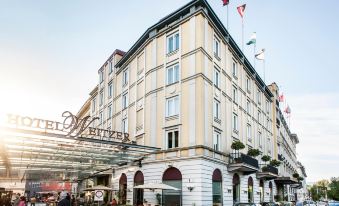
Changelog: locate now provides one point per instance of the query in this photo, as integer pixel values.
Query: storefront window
(172, 177)
(217, 188)
(250, 189)
(261, 190)
(271, 191)
(138, 193)
(236, 188)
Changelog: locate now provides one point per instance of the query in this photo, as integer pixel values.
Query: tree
(333, 193)
(253, 152)
(296, 175)
(237, 145)
(265, 158)
(275, 163)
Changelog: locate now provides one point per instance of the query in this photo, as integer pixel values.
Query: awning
(155, 186)
(286, 180)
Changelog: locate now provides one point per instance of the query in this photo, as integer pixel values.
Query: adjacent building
(187, 88)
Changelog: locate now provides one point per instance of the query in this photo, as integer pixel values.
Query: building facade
(186, 87)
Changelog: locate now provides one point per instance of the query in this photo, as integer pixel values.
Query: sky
(50, 52)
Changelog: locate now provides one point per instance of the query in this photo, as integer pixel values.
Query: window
(248, 84)
(110, 67)
(216, 109)
(216, 47)
(235, 94)
(260, 139)
(173, 139)
(172, 75)
(259, 97)
(268, 124)
(267, 107)
(101, 117)
(235, 122)
(248, 107)
(217, 187)
(125, 77)
(94, 104)
(110, 90)
(109, 112)
(172, 106)
(101, 76)
(269, 149)
(124, 100)
(259, 117)
(216, 141)
(216, 78)
(101, 100)
(249, 131)
(234, 69)
(172, 43)
(125, 125)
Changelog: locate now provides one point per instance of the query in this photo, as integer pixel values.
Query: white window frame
(216, 47)
(259, 97)
(124, 125)
(235, 94)
(174, 76)
(109, 111)
(125, 100)
(216, 77)
(248, 84)
(248, 107)
(259, 116)
(259, 139)
(235, 122)
(101, 115)
(175, 42)
(216, 109)
(234, 68)
(110, 65)
(249, 132)
(110, 90)
(125, 77)
(172, 131)
(101, 98)
(101, 76)
(172, 102)
(217, 141)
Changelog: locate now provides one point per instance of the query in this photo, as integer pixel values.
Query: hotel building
(186, 88)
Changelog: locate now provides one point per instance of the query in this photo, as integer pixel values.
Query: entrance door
(172, 177)
(123, 189)
(236, 188)
(138, 194)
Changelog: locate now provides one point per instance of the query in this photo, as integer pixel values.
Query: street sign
(98, 195)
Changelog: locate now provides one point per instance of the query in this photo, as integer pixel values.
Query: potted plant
(158, 197)
(265, 158)
(275, 163)
(300, 179)
(296, 175)
(237, 145)
(253, 152)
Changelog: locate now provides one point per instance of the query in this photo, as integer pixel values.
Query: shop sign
(71, 126)
(98, 195)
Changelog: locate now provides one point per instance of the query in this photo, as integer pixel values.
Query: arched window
(261, 190)
(122, 189)
(172, 176)
(138, 193)
(217, 187)
(250, 189)
(236, 188)
(271, 191)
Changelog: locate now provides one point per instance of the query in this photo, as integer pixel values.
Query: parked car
(322, 203)
(287, 204)
(269, 204)
(333, 203)
(246, 204)
(309, 203)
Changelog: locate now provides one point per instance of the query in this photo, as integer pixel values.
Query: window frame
(174, 140)
(216, 77)
(124, 125)
(101, 98)
(125, 100)
(175, 74)
(216, 47)
(125, 76)
(175, 42)
(176, 103)
(110, 90)
(235, 122)
(94, 104)
(217, 141)
(216, 109)
(234, 68)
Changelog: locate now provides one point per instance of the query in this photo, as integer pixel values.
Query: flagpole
(227, 18)
(242, 33)
(254, 48)
(264, 71)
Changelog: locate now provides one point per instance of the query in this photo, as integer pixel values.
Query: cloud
(315, 118)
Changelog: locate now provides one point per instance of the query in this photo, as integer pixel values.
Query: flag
(287, 110)
(281, 98)
(253, 39)
(241, 10)
(225, 2)
(261, 55)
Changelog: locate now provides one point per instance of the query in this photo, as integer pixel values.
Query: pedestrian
(33, 201)
(64, 199)
(22, 201)
(16, 200)
(114, 202)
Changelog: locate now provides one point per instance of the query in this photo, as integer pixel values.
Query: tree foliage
(237, 145)
(265, 158)
(275, 163)
(253, 152)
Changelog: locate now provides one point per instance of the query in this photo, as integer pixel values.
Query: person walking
(65, 199)
(22, 201)
(16, 200)
(114, 202)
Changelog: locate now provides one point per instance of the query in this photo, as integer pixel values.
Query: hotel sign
(71, 126)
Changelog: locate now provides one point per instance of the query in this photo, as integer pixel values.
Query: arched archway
(217, 187)
(138, 194)
(270, 185)
(122, 189)
(172, 176)
(236, 188)
(261, 190)
(250, 189)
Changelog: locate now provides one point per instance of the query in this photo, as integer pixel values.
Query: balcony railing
(270, 169)
(242, 162)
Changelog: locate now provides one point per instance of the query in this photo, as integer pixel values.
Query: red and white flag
(281, 98)
(287, 110)
(241, 10)
(225, 2)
